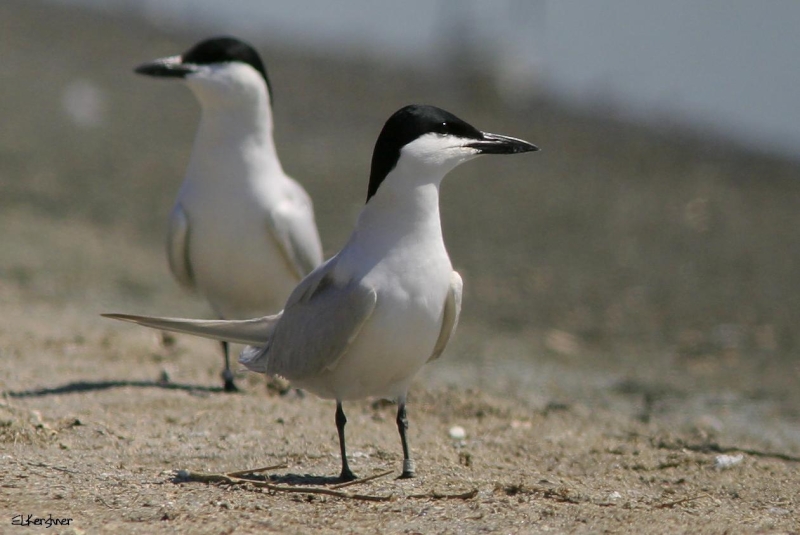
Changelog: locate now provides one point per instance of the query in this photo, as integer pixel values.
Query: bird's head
(220, 71)
(429, 141)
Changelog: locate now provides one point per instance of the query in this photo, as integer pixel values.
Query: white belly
(236, 263)
(394, 344)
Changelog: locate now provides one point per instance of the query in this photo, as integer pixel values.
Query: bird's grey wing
(294, 229)
(178, 247)
(318, 326)
(452, 311)
(254, 331)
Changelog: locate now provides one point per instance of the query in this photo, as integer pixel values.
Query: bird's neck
(239, 139)
(237, 120)
(401, 217)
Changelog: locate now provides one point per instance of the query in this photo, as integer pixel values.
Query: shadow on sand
(91, 386)
(273, 479)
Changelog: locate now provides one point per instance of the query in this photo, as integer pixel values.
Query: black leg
(341, 419)
(227, 374)
(402, 426)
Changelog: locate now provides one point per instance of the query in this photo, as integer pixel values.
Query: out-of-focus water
(726, 66)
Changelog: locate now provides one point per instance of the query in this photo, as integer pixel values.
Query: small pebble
(458, 433)
(723, 462)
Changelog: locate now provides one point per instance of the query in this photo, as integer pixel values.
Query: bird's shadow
(303, 479)
(293, 479)
(77, 387)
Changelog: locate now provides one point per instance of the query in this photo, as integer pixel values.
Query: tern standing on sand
(242, 233)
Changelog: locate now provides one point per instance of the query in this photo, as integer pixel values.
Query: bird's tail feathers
(254, 331)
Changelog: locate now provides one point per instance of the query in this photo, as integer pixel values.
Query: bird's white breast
(412, 280)
(235, 260)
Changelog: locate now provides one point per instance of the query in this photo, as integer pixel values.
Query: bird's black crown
(226, 50)
(406, 125)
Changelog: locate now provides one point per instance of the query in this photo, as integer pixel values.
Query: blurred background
(649, 251)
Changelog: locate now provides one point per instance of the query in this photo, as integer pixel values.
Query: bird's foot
(230, 386)
(164, 378)
(409, 469)
(347, 475)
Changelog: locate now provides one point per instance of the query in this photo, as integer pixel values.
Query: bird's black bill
(497, 144)
(166, 68)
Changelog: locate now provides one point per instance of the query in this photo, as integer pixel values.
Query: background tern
(242, 233)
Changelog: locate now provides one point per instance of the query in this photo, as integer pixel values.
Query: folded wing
(319, 324)
(178, 247)
(452, 311)
(291, 224)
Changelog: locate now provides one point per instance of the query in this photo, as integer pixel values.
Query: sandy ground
(88, 434)
(562, 432)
